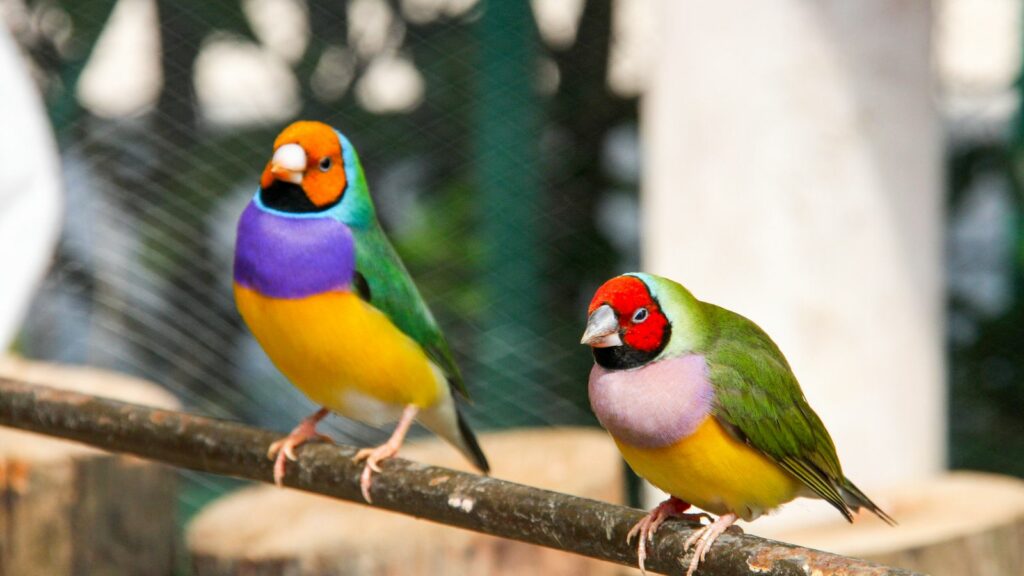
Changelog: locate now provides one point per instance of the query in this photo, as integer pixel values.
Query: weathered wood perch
(481, 504)
(312, 535)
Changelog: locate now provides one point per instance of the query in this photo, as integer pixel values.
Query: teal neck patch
(684, 312)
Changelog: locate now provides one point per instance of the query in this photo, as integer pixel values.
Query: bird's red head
(624, 312)
(307, 171)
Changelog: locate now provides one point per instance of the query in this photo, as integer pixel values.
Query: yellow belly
(714, 471)
(338, 349)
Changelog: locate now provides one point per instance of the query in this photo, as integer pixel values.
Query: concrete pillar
(792, 173)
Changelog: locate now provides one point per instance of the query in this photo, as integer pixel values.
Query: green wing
(386, 284)
(758, 398)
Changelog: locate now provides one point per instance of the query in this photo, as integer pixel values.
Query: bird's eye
(325, 164)
(640, 315)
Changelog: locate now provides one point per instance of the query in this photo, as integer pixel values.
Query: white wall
(792, 173)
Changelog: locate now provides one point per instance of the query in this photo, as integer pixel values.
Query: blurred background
(848, 177)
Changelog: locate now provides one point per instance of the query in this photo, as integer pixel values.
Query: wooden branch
(482, 504)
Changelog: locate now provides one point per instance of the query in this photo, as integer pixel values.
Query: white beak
(289, 163)
(602, 329)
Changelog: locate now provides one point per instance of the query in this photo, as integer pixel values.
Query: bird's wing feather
(383, 281)
(758, 398)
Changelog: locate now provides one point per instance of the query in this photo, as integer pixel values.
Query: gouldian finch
(328, 299)
(703, 405)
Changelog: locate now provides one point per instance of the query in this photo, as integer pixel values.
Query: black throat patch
(288, 197)
(624, 357)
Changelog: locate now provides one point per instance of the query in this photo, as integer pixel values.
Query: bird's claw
(640, 528)
(701, 540)
(367, 455)
(649, 524)
(373, 458)
(693, 538)
(365, 481)
(283, 450)
(272, 450)
(632, 532)
(289, 452)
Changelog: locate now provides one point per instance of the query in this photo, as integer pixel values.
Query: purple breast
(285, 257)
(655, 405)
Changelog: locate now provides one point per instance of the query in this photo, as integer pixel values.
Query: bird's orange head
(307, 170)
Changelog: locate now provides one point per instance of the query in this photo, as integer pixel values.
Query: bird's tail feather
(472, 447)
(446, 420)
(856, 500)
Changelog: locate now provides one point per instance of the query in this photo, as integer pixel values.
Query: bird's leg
(648, 525)
(705, 537)
(285, 447)
(374, 456)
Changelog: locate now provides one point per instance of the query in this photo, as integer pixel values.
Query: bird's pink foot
(374, 456)
(648, 525)
(284, 449)
(704, 538)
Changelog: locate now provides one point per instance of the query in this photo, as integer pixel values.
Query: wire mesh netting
(507, 203)
(501, 148)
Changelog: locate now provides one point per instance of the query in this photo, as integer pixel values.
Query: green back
(758, 398)
(390, 288)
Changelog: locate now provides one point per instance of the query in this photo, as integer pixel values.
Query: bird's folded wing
(383, 281)
(757, 398)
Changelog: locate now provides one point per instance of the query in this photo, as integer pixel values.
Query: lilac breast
(284, 257)
(655, 405)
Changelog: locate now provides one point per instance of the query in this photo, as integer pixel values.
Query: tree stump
(66, 509)
(959, 524)
(268, 531)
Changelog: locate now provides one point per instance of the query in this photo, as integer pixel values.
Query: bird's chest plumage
(661, 419)
(654, 405)
(293, 279)
(284, 257)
